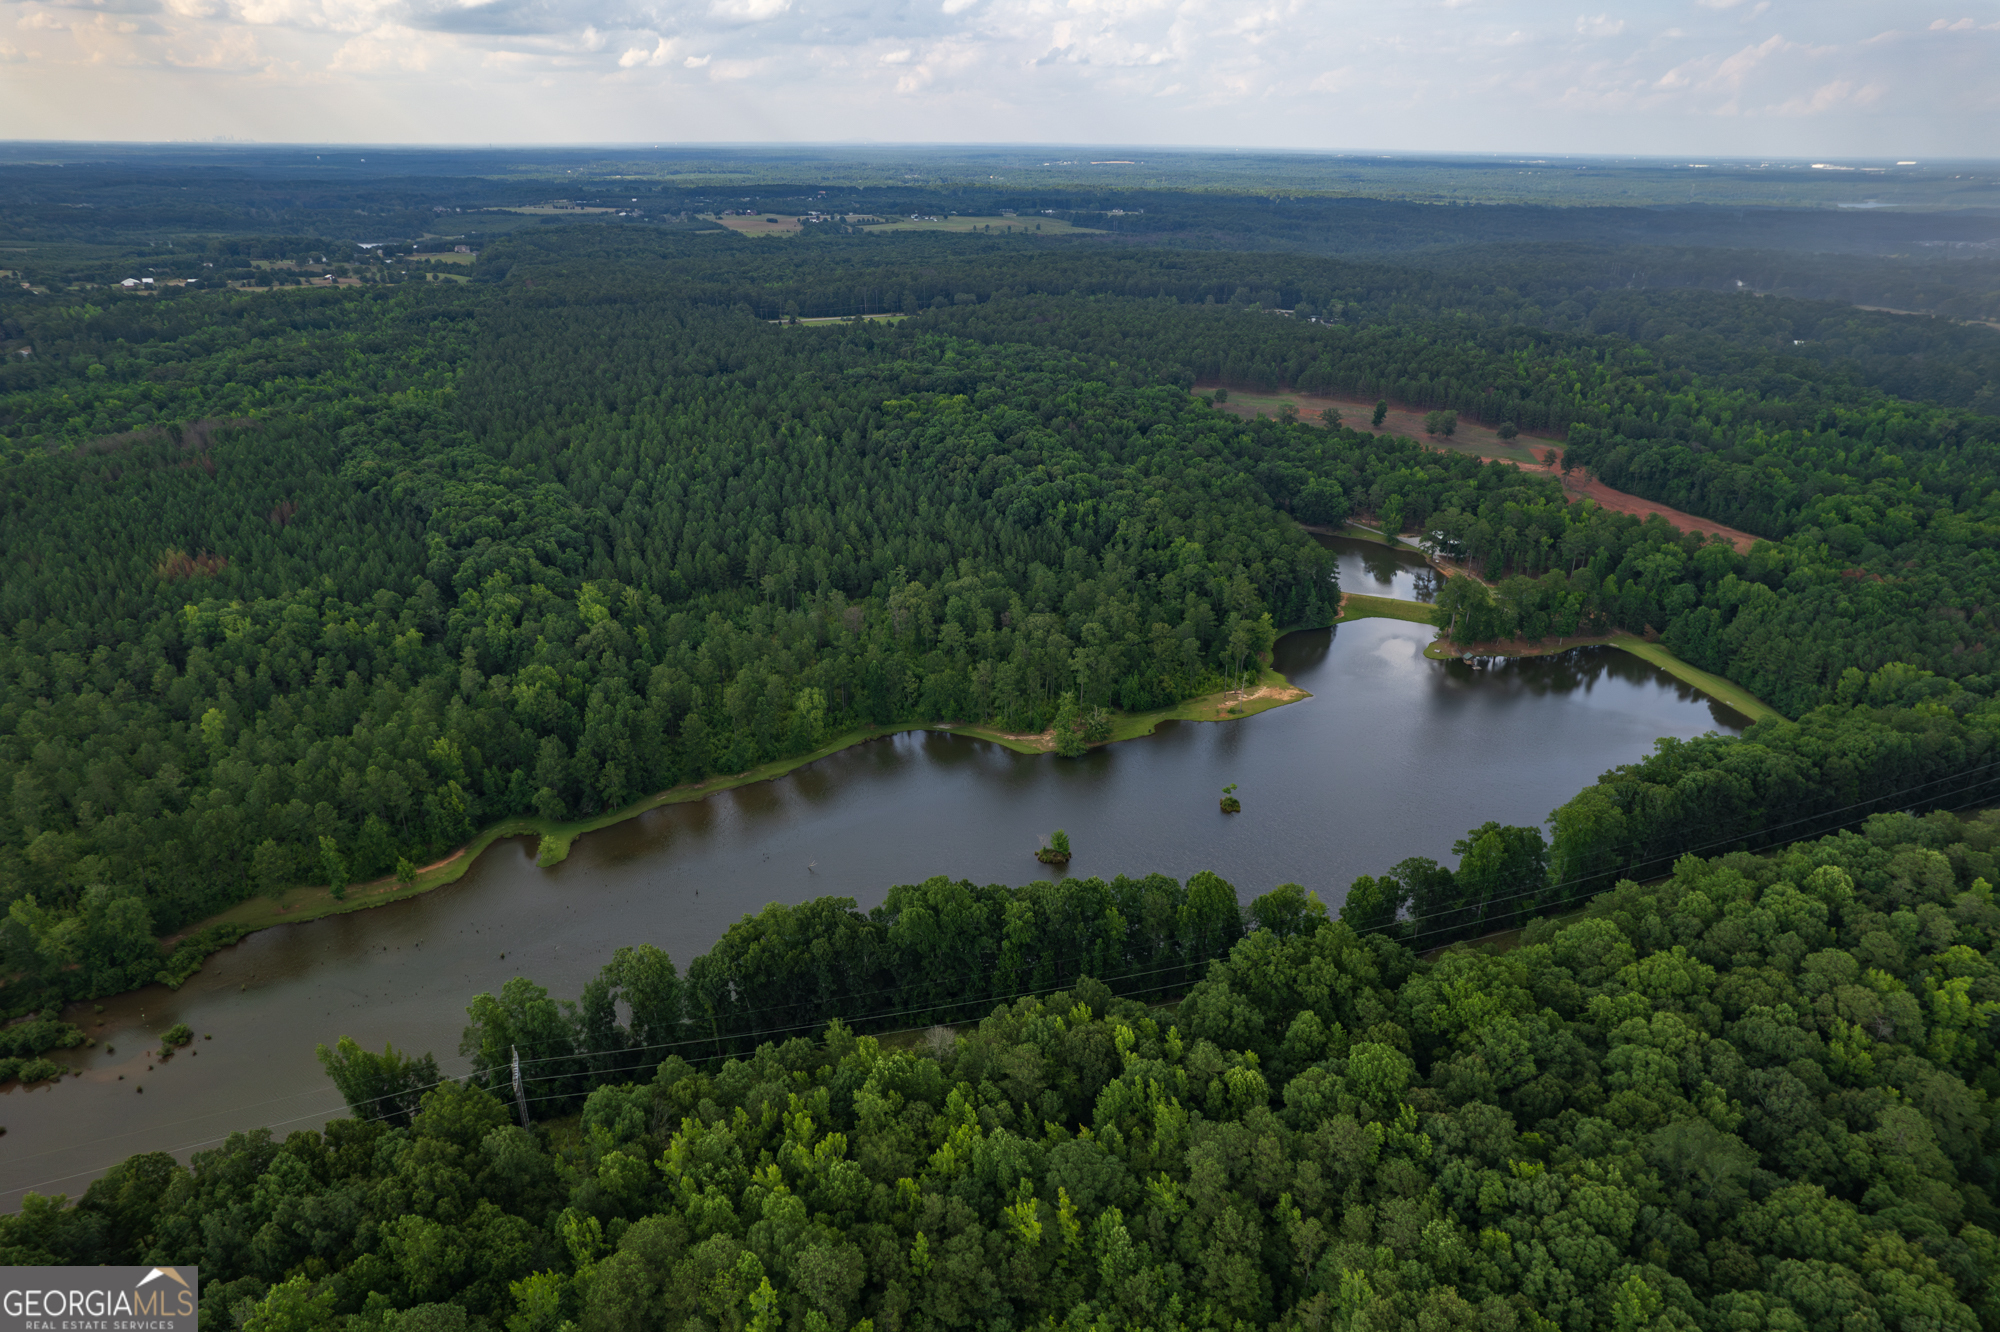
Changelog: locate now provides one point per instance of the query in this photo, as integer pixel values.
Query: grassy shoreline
(1360, 606)
(1357, 606)
(298, 905)
(1722, 690)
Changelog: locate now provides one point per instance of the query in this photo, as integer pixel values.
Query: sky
(1906, 79)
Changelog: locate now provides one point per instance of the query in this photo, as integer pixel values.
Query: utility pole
(520, 1097)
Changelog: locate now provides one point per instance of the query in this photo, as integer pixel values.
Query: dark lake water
(1377, 571)
(1393, 756)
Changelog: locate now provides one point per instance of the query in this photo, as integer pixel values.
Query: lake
(1375, 570)
(1394, 756)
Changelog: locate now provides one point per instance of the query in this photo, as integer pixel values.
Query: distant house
(461, 249)
(129, 282)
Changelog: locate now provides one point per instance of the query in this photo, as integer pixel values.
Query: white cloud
(1448, 74)
(389, 48)
(1830, 96)
(661, 54)
(748, 11)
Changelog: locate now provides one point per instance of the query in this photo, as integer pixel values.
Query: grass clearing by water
(1358, 606)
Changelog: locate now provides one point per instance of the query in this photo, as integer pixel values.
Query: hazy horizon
(1735, 78)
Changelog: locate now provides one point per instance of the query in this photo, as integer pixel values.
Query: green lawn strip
(557, 836)
(1356, 606)
(1715, 686)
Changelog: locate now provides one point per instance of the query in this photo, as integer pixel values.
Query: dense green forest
(305, 585)
(1755, 1093)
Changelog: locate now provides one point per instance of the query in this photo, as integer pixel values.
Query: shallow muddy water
(1394, 756)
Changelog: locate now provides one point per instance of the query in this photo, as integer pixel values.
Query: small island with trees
(1056, 852)
(1230, 804)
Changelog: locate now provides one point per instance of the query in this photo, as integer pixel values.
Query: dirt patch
(1226, 705)
(1531, 453)
(1470, 437)
(438, 865)
(1580, 484)
(178, 564)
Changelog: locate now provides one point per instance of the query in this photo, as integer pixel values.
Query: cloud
(108, 6)
(388, 49)
(748, 11)
(1448, 75)
(662, 52)
(1734, 70)
(1830, 96)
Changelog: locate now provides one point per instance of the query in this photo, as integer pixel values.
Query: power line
(566, 1095)
(715, 1039)
(1692, 850)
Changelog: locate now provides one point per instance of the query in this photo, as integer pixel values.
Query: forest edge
(1361, 606)
(315, 902)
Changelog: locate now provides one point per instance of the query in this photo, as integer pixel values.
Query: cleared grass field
(1359, 606)
(998, 226)
(1470, 437)
(843, 319)
(761, 226)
